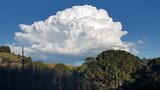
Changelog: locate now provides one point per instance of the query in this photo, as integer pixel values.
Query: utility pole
(22, 57)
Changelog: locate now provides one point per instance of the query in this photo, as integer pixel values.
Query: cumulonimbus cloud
(80, 30)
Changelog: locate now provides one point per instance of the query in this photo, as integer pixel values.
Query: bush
(5, 49)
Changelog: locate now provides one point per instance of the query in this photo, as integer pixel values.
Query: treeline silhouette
(110, 70)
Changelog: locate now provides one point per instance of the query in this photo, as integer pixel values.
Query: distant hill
(12, 57)
(10, 60)
(7, 56)
(15, 60)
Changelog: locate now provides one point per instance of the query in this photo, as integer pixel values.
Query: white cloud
(80, 30)
(141, 42)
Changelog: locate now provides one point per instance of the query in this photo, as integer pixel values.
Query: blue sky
(140, 18)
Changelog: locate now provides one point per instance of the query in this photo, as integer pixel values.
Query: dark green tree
(5, 49)
(111, 67)
(39, 65)
(61, 67)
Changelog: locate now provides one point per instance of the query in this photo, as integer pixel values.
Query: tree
(39, 65)
(154, 66)
(112, 67)
(5, 49)
(89, 59)
(61, 67)
(147, 77)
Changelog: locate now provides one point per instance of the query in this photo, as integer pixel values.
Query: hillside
(7, 56)
(12, 57)
(10, 60)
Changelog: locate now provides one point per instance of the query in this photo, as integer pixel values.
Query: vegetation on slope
(111, 69)
(10, 56)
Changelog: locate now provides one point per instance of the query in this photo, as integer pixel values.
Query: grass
(10, 56)
(17, 58)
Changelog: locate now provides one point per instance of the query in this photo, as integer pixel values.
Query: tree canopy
(5, 49)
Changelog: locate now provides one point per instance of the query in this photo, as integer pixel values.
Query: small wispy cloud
(141, 42)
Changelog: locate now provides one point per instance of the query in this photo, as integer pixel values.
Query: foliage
(148, 77)
(111, 69)
(61, 67)
(5, 49)
(39, 65)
